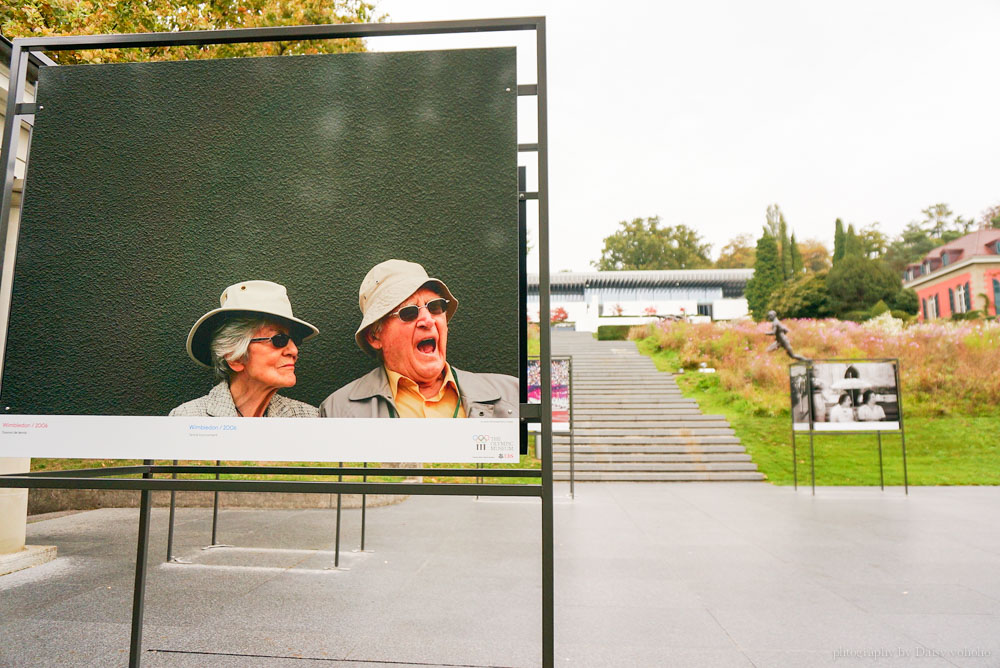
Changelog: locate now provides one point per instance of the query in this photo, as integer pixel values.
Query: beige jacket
(484, 395)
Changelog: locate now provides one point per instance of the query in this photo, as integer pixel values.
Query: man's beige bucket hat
(385, 287)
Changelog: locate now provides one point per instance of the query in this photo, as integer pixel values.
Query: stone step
(653, 433)
(578, 439)
(621, 458)
(658, 466)
(587, 426)
(600, 449)
(677, 476)
(580, 416)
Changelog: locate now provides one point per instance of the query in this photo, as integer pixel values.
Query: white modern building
(632, 297)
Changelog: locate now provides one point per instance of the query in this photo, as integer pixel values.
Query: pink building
(960, 276)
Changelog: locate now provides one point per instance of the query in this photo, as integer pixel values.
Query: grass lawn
(951, 450)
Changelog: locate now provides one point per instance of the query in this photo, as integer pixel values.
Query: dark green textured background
(153, 186)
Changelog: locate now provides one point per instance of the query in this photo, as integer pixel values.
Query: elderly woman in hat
(404, 325)
(252, 342)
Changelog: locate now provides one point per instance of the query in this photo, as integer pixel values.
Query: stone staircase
(631, 422)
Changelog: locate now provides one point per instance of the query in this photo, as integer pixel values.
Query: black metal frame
(111, 478)
(878, 432)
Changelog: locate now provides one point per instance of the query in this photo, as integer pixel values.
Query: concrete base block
(31, 555)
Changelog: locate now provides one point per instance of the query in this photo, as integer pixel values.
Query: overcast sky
(706, 112)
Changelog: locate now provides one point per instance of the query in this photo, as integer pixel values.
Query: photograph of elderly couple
(197, 253)
(845, 396)
(252, 342)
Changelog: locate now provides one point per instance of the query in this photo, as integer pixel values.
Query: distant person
(404, 325)
(252, 342)
(843, 411)
(869, 411)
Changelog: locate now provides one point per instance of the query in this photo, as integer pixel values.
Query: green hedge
(613, 332)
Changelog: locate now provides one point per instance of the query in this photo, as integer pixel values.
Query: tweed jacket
(484, 395)
(219, 403)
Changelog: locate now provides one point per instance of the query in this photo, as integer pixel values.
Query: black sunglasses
(410, 313)
(279, 340)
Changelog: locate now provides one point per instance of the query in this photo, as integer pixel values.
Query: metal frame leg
(795, 462)
(906, 479)
(881, 472)
(215, 517)
(336, 549)
(812, 462)
(139, 589)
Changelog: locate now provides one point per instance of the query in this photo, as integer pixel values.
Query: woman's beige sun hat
(385, 287)
(247, 298)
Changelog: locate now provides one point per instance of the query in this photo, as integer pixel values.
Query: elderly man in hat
(404, 324)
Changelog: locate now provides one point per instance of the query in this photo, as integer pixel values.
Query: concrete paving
(719, 574)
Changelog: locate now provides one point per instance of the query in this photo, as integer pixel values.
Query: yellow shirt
(410, 403)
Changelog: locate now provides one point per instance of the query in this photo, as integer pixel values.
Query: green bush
(901, 315)
(613, 332)
(879, 308)
(968, 315)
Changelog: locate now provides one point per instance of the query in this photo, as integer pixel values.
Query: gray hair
(231, 342)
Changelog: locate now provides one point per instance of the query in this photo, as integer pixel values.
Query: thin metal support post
(906, 480)
(336, 553)
(170, 524)
(215, 509)
(572, 433)
(812, 461)
(795, 460)
(364, 508)
(545, 350)
(139, 589)
(881, 472)
(902, 429)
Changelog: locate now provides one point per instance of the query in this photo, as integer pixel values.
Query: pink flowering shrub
(946, 368)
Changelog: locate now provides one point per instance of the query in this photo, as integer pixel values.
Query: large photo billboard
(845, 396)
(269, 258)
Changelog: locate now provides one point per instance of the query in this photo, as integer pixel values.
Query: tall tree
(796, 257)
(767, 276)
(737, 253)
(786, 248)
(642, 244)
(42, 18)
(839, 239)
(853, 246)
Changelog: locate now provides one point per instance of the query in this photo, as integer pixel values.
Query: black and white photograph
(845, 396)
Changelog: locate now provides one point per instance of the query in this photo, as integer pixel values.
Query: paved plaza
(647, 574)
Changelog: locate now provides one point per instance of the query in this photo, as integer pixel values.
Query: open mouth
(427, 346)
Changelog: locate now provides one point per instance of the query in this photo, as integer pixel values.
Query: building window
(705, 309)
(944, 259)
(996, 295)
(931, 308)
(958, 299)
